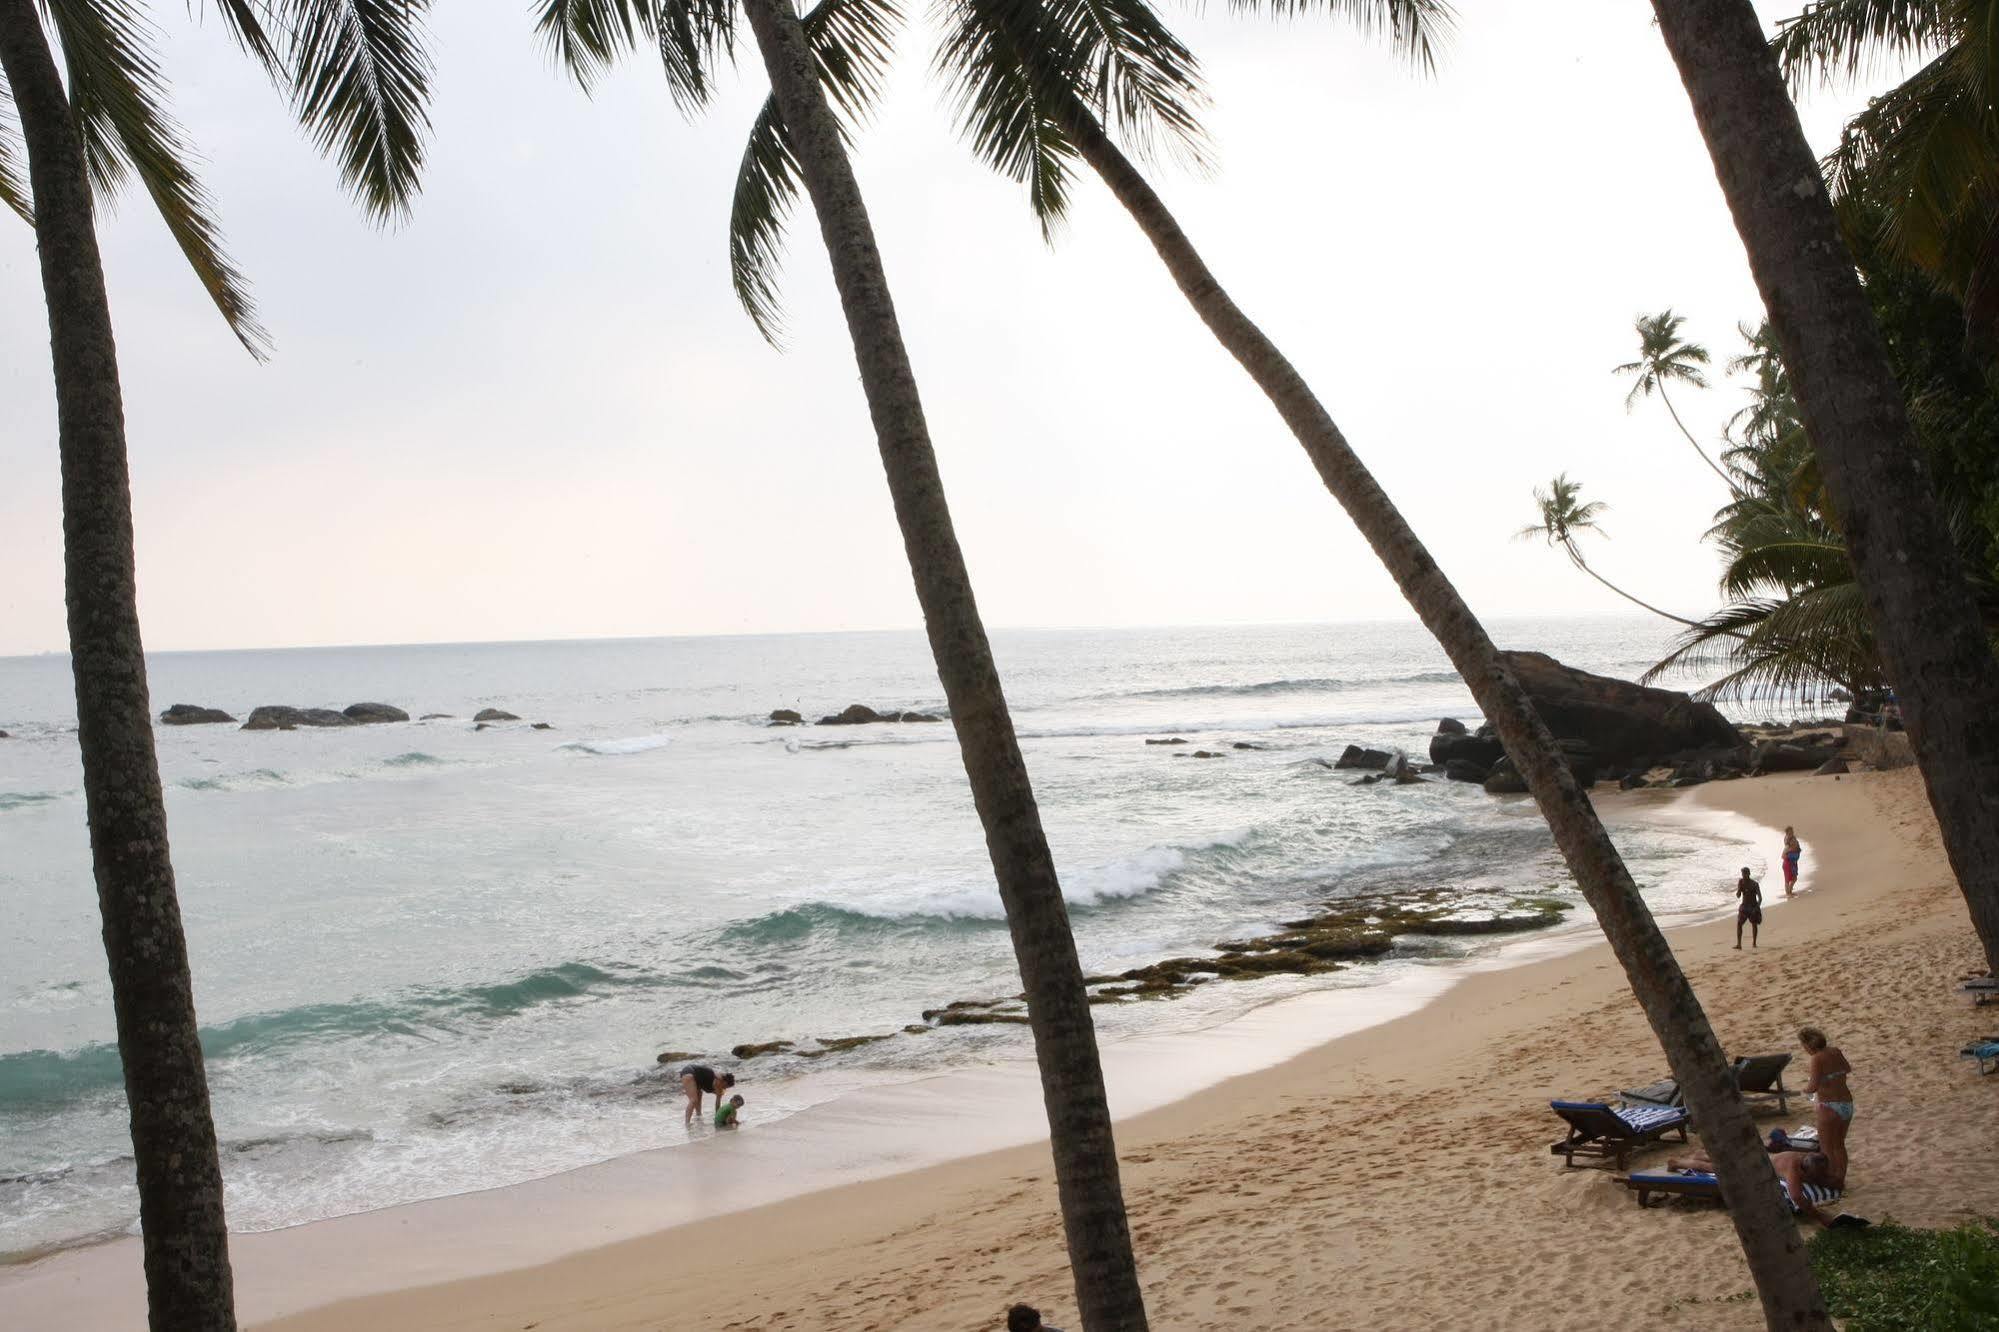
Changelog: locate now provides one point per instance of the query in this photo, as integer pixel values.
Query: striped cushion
(1814, 1193)
(1643, 1118)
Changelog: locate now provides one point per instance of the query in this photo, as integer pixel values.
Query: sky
(535, 411)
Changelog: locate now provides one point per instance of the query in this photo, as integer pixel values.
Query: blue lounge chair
(1597, 1129)
(1986, 1052)
(1760, 1079)
(1695, 1184)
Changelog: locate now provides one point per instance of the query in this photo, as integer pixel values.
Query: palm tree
(108, 125)
(837, 50)
(1923, 611)
(1564, 516)
(1926, 152)
(1665, 358)
(1036, 83)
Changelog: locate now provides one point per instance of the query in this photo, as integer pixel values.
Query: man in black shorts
(1750, 909)
(698, 1078)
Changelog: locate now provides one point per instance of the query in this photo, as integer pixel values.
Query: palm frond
(245, 21)
(851, 42)
(14, 191)
(695, 37)
(119, 99)
(360, 77)
(1416, 29)
(1024, 74)
(587, 37)
(1849, 38)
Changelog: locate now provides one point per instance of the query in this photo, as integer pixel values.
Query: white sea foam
(631, 744)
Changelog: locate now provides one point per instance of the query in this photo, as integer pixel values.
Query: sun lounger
(1694, 1184)
(1760, 1078)
(1986, 1052)
(1597, 1129)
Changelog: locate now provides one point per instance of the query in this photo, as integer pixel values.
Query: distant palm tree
(1564, 516)
(1924, 612)
(1665, 358)
(1927, 150)
(833, 56)
(356, 75)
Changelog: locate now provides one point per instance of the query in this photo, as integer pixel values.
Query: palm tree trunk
(188, 1287)
(1925, 618)
(1762, 1221)
(1079, 1123)
(1575, 558)
(1674, 412)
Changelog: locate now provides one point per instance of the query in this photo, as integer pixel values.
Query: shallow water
(430, 958)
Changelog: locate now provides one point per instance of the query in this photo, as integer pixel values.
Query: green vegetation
(1891, 1278)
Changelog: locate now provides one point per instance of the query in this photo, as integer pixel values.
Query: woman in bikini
(1791, 853)
(1829, 1084)
(698, 1078)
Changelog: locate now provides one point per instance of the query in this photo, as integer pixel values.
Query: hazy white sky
(536, 411)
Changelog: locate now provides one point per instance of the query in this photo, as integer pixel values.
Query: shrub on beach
(1891, 1278)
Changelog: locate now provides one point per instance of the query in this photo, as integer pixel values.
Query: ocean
(431, 958)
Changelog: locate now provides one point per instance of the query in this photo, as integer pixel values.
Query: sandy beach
(1391, 1177)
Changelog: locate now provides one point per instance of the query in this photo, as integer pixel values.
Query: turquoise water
(431, 958)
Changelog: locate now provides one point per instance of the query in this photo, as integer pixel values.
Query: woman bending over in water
(1829, 1084)
(698, 1078)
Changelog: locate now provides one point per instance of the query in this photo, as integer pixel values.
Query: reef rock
(1353, 756)
(854, 714)
(785, 717)
(188, 714)
(277, 717)
(493, 715)
(370, 714)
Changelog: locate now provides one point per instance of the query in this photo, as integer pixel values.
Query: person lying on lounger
(1794, 1169)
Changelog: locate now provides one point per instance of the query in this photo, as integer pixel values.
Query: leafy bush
(1891, 1278)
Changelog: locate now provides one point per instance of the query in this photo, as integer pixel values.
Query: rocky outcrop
(1353, 756)
(1505, 779)
(493, 715)
(278, 717)
(1451, 726)
(1170, 740)
(1200, 753)
(1832, 767)
(542, 726)
(374, 714)
(854, 714)
(1623, 722)
(1464, 770)
(920, 717)
(435, 716)
(189, 714)
(785, 717)
(1483, 748)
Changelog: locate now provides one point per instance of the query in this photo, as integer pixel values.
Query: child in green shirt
(725, 1113)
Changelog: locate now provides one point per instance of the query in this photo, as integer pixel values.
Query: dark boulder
(1245, 744)
(854, 714)
(1400, 770)
(1450, 726)
(1356, 757)
(786, 717)
(188, 714)
(277, 717)
(493, 715)
(1204, 753)
(1581, 758)
(1832, 767)
(1464, 770)
(436, 716)
(1505, 779)
(1173, 740)
(542, 726)
(1621, 721)
(921, 717)
(370, 714)
(1482, 750)
(1791, 755)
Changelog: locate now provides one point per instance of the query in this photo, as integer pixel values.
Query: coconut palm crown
(356, 73)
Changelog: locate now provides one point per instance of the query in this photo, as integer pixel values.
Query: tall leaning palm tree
(109, 125)
(1925, 616)
(837, 49)
(1038, 82)
(1664, 357)
(1565, 515)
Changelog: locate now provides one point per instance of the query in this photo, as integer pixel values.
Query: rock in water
(1505, 779)
(1450, 726)
(785, 717)
(1173, 740)
(1353, 756)
(542, 726)
(370, 714)
(278, 717)
(188, 714)
(435, 716)
(921, 717)
(1484, 750)
(493, 715)
(854, 714)
(1464, 770)
(1621, 721)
